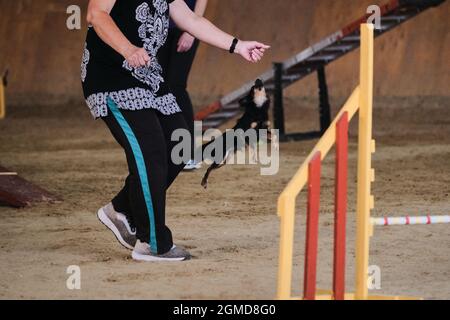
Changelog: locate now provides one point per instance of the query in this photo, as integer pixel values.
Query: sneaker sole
(192, 168)
(110, 225)
(146, 258)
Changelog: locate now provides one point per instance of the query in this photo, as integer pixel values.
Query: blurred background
(413, 59)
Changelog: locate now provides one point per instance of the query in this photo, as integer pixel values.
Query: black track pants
(145, 135)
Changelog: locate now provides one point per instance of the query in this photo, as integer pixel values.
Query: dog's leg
(274, 140)
(213, 167)
(253, 152)
(256, 153)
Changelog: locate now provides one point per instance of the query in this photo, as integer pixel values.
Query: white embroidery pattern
(153, 32)
(84, 63)
(132, 99)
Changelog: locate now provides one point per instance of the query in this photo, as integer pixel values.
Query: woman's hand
(185, 42)
(251, 51)
(137, 57)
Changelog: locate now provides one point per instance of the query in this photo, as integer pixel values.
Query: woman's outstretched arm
(205, 31)
(105, 27)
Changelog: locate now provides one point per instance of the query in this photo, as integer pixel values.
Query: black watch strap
(233, 45)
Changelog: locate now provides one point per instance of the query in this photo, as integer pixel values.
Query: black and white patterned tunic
(105, 73)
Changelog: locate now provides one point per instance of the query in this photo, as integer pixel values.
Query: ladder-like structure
(313, 59)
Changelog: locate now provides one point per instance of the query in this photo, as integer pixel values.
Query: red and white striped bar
(405, 221)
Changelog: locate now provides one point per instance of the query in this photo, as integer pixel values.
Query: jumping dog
(256, 116)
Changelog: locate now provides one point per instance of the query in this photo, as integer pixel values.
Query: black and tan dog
(256, 116)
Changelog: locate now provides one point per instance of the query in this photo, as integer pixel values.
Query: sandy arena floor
(231, 229)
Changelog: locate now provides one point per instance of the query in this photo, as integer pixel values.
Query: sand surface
(231, 229)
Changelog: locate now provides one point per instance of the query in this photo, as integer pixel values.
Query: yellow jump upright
(366, 146)
(2, 100)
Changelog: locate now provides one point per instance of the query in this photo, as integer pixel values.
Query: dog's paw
(254, 154)
(275, 141)
(276, 145)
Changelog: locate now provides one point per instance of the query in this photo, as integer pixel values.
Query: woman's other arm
(200, 7)
(186, 40)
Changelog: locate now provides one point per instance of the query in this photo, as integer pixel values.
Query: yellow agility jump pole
(2, 100)
(366, 175)
(3, 82)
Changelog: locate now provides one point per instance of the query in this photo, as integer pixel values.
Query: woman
(123, 85)
(176, 57)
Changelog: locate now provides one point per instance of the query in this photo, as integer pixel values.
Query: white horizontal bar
(8, 173)
(403, 221)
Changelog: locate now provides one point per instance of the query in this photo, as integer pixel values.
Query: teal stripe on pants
(142, 170)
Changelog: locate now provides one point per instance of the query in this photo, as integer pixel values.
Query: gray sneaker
(142, 252)
(117, 222)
